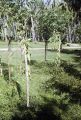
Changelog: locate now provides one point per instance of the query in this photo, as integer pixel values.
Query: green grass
(5, 45)
(51, 88)
(31, 44)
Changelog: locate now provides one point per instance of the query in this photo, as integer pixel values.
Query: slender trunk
(59, 52)
(21, 53)
(53, 5)
(46, 45)
(33, 29)
(9, 45)
(27, 78)
(25, 29)
(9, 67)
(5, 34)
(9, 71)
(67, 38)
(5, 26)
(74, 32)
(70, 34)
(2, 29)
(1, 71)
(15, 30)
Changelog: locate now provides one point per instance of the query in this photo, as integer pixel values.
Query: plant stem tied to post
(27, 77)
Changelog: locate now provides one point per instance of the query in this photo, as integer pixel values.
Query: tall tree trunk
(54, 3)
(33, 29)
(25, 28)
(70, 34)
(15, 30)
(74, 32)
(9, 45)
(67, 37)
(5, 26)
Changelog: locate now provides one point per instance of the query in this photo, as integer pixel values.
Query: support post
(27, 77)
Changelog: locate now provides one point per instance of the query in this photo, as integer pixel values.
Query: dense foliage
(36, 20)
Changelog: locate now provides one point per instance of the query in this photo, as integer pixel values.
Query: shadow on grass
(47, 111)
(32, 62)
(74, 93)
(52, 50)
(73, 90)
(5, 71)
(77, 59)
(50, 111)
(76, 52)
(42, 63)
(65, 83)
(71, 70)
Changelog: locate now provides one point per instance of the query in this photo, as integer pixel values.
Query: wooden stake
(1, 71)
(27, 77)
(9, 73)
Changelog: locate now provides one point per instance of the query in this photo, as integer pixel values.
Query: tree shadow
(76, 52)
(71, 70)
(52, 50)
(32, 62)
(61, 87)
(77, 59)
(75, 92)
(42, 63)
(24, 113)
(47, 111)
(68, 84)
(50, 110)
(5, 69)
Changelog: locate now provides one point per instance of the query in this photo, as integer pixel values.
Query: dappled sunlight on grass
(55, 91)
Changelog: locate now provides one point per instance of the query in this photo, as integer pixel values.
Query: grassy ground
(54, 92)
(5, 45)
(31, 45)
